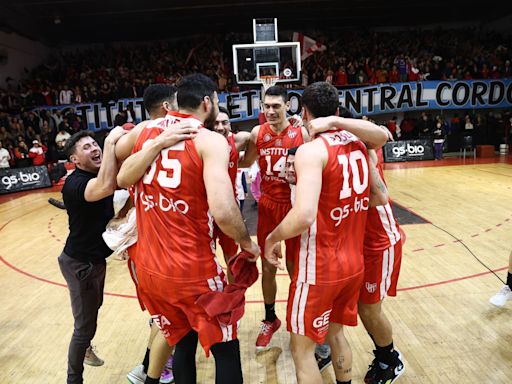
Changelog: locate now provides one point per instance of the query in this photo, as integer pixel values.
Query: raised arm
(104, 184)
(125, 144)
(251, 153)
(136, 165)
(371, 134)
(214, 151)
(242, 140)
(378, 189)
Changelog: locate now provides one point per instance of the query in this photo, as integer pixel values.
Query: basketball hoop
(268, 81)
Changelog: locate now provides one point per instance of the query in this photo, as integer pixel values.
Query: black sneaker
(378, 375)
(323, 362)
(56, 203)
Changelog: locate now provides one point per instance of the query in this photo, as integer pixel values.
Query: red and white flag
(308, 46)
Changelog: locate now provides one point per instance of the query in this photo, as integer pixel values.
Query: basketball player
(505, 294)
(237, 142)
(382, 260)
(186, 186)
(88, 196)
(159, 99)
(269, 144)
(332, 197)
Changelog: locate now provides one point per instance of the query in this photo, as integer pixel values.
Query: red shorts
(228, 245)
(174, 310)
(312, 307)
(381, 270)
(270, 214)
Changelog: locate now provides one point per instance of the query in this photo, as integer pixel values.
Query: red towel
(228, 306)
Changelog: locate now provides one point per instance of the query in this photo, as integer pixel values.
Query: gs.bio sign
(408, 150)
(20, 179)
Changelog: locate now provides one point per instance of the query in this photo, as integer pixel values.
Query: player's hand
(253, 249)
(319, 125)
(296, 121)
(176, 133)
(388, 132)
(115, 134)
(273, 253)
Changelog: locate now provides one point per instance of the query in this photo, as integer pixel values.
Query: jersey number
(279, 166)
(170, 166)
(359, 182)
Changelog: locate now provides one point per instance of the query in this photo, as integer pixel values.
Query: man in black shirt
(88, 196)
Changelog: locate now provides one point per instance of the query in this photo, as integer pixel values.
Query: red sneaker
(266, 332)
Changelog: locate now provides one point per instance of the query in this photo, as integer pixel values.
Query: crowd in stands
(390, 57)
(110, 72)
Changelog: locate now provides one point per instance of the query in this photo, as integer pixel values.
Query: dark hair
(292, 151)
(156, 94)
(344, 112)
(193, 88)
(277, 91)
(70, 146)
(224, 110)
(321, 99)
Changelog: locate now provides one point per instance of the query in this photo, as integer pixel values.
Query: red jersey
(173, 220)
(233, 160)
(272, 153)
(382, 229)
(331, 250)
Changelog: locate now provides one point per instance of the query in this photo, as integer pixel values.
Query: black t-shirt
(87, 220)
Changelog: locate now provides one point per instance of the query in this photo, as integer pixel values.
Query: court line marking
(28, 274)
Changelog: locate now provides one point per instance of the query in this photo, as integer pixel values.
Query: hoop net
(268, 81)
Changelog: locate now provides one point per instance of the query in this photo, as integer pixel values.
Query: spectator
(4, 157)
(65, 95)
(61, 138)
(21, 153)
(37, 153)
(439, 135)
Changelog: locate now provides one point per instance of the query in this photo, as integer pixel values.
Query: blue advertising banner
(368, 100)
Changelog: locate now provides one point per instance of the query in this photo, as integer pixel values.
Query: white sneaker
(504, 295)
(137, 375)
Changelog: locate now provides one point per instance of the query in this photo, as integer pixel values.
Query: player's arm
(104, 184)
(371, 134)
(136, 165)
(309, 163)
(214, 151)
(305, 134)
(125, 144)
(251, 153)
(378, 189)
(242, 140)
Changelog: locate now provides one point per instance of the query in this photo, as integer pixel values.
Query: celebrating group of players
(322, 193)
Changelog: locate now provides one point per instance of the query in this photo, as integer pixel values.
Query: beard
(209, 122)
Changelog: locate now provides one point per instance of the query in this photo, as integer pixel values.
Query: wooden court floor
(443, 324)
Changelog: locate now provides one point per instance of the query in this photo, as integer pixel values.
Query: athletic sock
(145, 362)
(150, 380)
(385, 355)
(509, 280)
(270, 312)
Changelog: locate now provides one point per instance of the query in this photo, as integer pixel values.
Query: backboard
(250, 61)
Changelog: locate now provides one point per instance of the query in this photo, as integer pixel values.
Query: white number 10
(359, 184)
